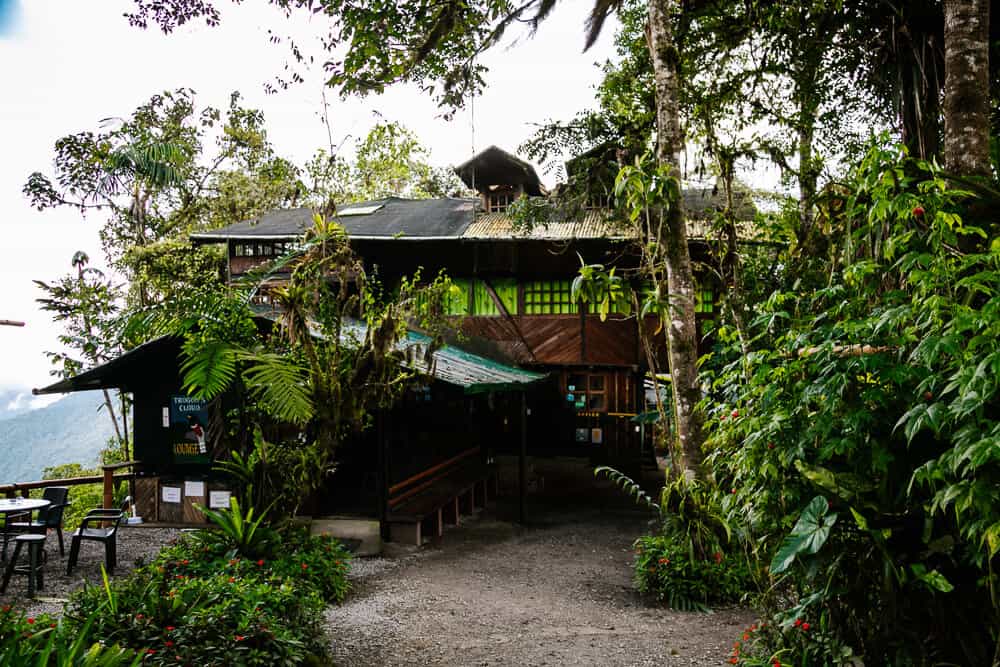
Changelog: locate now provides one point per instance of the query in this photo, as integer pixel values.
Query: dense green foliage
(668, 571)
(44, 641)
(201, 601)
(218, 619)
(877, 389)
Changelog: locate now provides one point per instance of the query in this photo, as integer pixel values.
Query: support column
(522, 467)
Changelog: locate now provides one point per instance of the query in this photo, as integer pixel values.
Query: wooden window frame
(590, 391)
(500, 201)
(549, 297)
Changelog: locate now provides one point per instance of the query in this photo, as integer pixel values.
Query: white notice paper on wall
(171, 494)
(218, 499)
(194, 489)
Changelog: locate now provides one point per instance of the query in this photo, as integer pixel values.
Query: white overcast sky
(65, 64)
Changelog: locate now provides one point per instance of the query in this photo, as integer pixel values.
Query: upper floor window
(549, 297)
(266, 249)
(499, 198)
(473, 297)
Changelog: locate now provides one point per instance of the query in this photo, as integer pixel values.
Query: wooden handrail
(24, 487)
(119, 466)
(430, 471)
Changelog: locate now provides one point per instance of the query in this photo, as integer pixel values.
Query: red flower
(150, 651)
(304, 566)
(239, 638)
(52, 625)
(928, 395)
(138, 617)
(736, 413)
(664, 561)
(168, 643)
(232, 580)
(169, 628)
(184, 562)
(918, 211)
(717, 556)
(260, 562)
(745, 636)
(31, 621)
(798, 622)
(733, 491)
(776, 663)
(733, 660)
(805, 626)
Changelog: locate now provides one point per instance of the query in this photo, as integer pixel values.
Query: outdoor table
(10, 506)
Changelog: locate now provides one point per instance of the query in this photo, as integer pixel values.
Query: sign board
(170, 494)
(219, 499)
(196, 489)
(189, 430)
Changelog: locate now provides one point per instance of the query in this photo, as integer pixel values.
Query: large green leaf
(807, 537)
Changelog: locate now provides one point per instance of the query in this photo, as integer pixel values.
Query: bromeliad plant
(239, 531)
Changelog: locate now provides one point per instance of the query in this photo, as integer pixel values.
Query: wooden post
(522, 467)
(382, 435)
(109, 487)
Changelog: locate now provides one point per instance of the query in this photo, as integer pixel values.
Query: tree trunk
(682, 332)
(111, 412)
(967, 87)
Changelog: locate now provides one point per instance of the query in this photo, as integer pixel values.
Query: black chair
(36, 548)
(108, 535)
(48, 517)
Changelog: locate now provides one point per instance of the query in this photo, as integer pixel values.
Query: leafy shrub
(792, 643)
(317, 564)
(203, 620)
(666, 570)
(42, 640)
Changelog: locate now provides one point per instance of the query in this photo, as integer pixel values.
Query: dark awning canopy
(129, 370)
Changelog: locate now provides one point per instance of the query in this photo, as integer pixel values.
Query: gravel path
(555, 593)
(134, 543)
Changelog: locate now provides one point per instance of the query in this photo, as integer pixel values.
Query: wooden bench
(423, 503)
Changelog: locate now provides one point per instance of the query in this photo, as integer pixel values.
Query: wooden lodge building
(535, 373)
(517, 304)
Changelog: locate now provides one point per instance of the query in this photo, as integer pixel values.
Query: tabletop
(11, 505)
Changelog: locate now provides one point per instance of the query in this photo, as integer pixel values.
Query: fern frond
(281, 384)
(629, 486)
(208, 368)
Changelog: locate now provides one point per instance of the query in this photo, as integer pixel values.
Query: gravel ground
(134, 543)
(556, 592)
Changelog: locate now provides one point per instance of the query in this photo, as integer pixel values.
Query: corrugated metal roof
(593, 225)
(450, 364)
(464, 369)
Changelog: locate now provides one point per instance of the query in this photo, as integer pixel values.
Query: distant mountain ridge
(71, 430)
